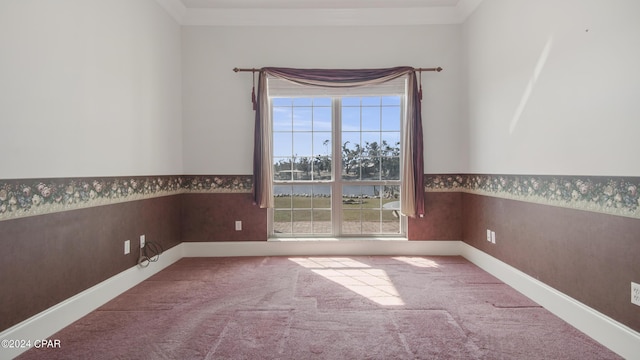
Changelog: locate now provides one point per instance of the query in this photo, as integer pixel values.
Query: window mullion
(336, 188)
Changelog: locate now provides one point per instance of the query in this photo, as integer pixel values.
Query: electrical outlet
(238, 225)
(635, 293)
(127, 247)
(142, 241)
(493, 237)
(488, 235)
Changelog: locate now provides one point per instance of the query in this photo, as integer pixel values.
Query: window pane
(391, 118)
(282, 169)
(350, 119)
(282, 144)
(322, 196)
(321, 143)
(370, 221)
(282, 212)
(282, 221)
(391, 193)
(302, 119)
(321, 119)
(282, 118)
(302, 222)
(302, 144)
(371, 192)
(282, 101)
(321, 218)
(351, 222)
(391, 210)
(351, 153)
(391, 100)
(322, 168)
(303, 167)
(358, 203)
(322, 155)
(351, 192)
(371, 101)
(351, 141)
(302, 101)
(322, 222)
(350, 101)
(351, 172)
(391, 226)
(390, 143)
(370, 168)
(282, 196)
(370, 142)
(390, 168)
(301, 197)
(301, 210)
(371, 119)
(322, 102)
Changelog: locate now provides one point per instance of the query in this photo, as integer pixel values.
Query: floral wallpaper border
(609, 195)
(29, 197)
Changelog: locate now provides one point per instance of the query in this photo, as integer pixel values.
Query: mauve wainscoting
(49, 258)
(442, 219)
(212, 217)
(591, 257)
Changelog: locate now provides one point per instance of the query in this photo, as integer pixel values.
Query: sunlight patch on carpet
(371, 283)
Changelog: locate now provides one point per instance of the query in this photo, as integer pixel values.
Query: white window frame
(282, 88)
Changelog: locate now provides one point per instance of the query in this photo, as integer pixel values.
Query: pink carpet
(357, 307)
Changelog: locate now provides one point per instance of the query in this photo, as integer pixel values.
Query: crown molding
(437, 15)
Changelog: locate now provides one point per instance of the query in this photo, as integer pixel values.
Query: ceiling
(318, 12)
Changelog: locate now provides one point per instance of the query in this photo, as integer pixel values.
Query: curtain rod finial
(438, 69)
(235, 69)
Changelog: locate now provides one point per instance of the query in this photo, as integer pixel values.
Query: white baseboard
(320, 248)
(45, 324)
(619, 338)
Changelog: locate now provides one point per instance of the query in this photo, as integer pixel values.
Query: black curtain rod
(437, 69)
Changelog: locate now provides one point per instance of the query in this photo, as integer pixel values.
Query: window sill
(294, 239)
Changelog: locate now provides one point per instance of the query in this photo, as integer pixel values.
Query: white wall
(89, 88)
(218, 117)
(97, 88)
(554, 87)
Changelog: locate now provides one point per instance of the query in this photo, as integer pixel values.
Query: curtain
(263, 147)
(412, 192)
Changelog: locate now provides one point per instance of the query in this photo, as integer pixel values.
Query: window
(336, 161)
(370, 164)
(302, 161)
